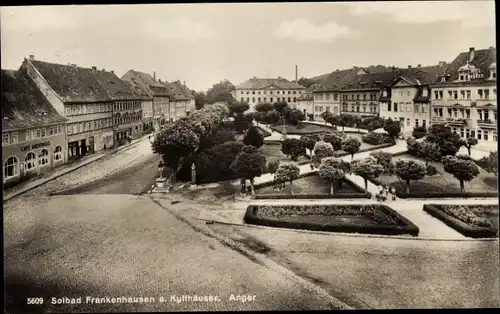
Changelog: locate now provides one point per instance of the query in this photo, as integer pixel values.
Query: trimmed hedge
(464, 228)
(342, 153)
(310, 196)
(395, 223)
(446, 194)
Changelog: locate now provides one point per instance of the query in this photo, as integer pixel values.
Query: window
(75, 128)
(258, 99)
(486, 94)
(327, 97)
(43, 132)
(29, 161)
(27, 135)
(253, 98)
(424, 108)
(5, 138)
(408, 107)
(364, 96)
(479, 135)
(38, 133)
(416, 122)
(43, 158)
(357, 97)
(461, 77)
(364, 108)
(336, 96)
(408, 121)
(467, 94)
(290, 99)
(357, 108)
(450, 94)
(486, 135)
(395, 107)
(327, 108)
(462, 94)
(241, 99)
(467, 113)
(10, 168)
(416, 108)
(455, 94)
(480, 93)
(13, 138)
(68, 110)
(408, 93)
(424, 123)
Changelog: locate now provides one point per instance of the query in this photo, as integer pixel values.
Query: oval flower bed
(370, 218)
(474, 221)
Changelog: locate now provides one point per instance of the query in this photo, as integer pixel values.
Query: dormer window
(385, 93)
(425, 93)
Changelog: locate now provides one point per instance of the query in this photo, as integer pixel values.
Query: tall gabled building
(465, 96)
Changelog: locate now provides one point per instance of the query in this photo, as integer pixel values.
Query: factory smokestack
(296, 73)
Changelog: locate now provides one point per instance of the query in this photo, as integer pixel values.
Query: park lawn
(273, 152)
(307, 185)
(442, 182)
(306, 128)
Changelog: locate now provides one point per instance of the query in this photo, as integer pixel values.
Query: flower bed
(370, 218)
(305, 129)
(474, 221)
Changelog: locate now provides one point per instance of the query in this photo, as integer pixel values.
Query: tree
(384, 159)
(263, 107)
(240, 124)
(345, 120)
(419, 132)
(449, 143)
(199, 100)
(463, 170)
(351, 145)
(295, 117)
(333, 139)
(471, 141)
(308, 141)
(325, 115)
(249, 164)
(408, 170)
(333, 119)
(358, 122)
(279, 107)
(368, 169)
(287, 172)
(429, 152)
(321, 150)
(220, 92)
(260, 117)
(392, 128)
(305, 82)
(272, 117)
(272, 167)
(253, 137)
(249, 117)
(215, 163)
(330, 170)
(489, 163)
(216, 137)
(293, 147)
(236, 107)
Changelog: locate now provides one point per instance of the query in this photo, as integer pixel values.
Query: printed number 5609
(34, 301)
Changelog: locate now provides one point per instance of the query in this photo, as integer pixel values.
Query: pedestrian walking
(393, 192)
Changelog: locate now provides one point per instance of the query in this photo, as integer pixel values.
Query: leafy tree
(287, 172)
(321, 150)
(295, 117)
(429, 152)
(220, 92)
(325, 115)
(345, 120)
(264, 107)
(330, 170)
(463, 170)
(253, 137)
(334, 139)
(249, 117)
(260, 116)
(368, 169)
(392, 128)
(293, 147)
(199, 100)
(384, 159)
(236, 107)
(279, 107)
(489, 163)
(449, 143)
(272, 117)
(215, 162)
(216, 137)
(408, 170)
(272, 167)
(249, 164)
(358, 122)
(308, 141)
(333, 119)
(419, 132)
(305, 82)
(471, 141)
(351, 145)
(240, 123)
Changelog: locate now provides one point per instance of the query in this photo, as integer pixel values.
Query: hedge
(263, 131)
(460, 226)
(404, 225)
(310, 196)
(446, 194)
(342, 153)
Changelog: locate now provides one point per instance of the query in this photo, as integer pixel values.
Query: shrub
(294, 148)
(253, 137)
(214, 164)
(431, 170)
(322, 150)
(334, 139)
(462, 169)
(419, 132)
(408, 170)
(383, 159)
(489, 163)
(373, 138)
(351, 145)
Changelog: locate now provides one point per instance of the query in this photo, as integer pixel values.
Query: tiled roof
(371, 81)
(70, 82)
(260, 83)
(339, 77)
(143, 81)
(483, 58)
(116, 88)
(137, 90)
(178, 91)
(23, 104)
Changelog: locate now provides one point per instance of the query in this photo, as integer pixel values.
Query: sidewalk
(56, 173)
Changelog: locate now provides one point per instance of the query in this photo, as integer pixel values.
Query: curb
(350, 235)
(22, 191)
(261, 259)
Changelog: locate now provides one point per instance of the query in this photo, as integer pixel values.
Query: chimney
(471, 54)
(442, 63)
(112, 72)
(296, 73)
(419, 66)
(104, 70)
(32, 57)
(409, 67)
(94, 69)
(154, 75)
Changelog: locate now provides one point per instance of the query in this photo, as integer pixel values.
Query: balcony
(438, 119)
(456, 121)
(487, 124)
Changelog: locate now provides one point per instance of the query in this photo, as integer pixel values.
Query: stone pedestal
(161, 183)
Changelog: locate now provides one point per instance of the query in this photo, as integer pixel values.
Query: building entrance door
(83, 147)
(91, 145)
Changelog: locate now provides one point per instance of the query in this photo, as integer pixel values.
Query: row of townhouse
(52, 113)
(268, 90)
(461, 93)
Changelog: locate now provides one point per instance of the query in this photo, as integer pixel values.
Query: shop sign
(34, 146)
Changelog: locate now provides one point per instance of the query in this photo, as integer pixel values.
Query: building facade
(33, 132)
(326, 100)
(263, 90)
(465, 97)
(76, 94)
(305, 104)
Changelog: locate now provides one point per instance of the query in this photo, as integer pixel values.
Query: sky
(203, 44)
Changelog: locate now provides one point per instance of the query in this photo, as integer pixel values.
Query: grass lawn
(273, 152)
(307, 185)
(443, 181)
(306, 128)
